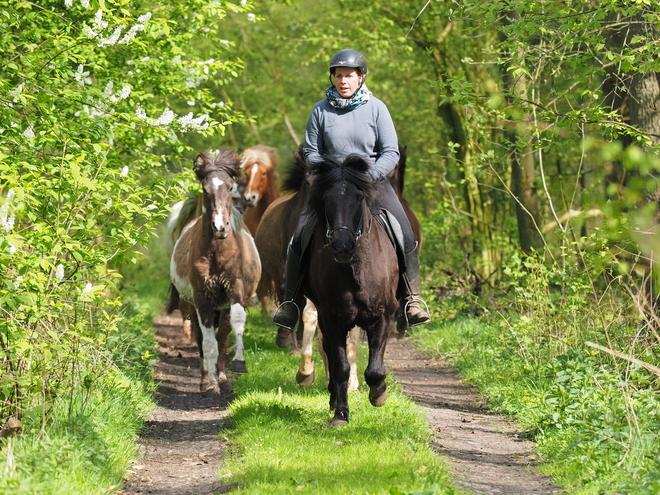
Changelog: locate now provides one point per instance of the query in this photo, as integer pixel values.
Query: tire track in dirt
(486, 454)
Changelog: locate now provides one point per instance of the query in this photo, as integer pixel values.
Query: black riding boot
(415, 308)
(288, 313)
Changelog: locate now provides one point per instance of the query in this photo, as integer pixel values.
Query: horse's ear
(200, 165)
(357, 163)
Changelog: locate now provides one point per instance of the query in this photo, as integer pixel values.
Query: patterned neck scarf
(360, 97)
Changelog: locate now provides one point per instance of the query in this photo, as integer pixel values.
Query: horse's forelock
(264, 155)
(223, 161)
(354, 169)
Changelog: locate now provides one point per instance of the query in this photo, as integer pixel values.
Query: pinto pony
(215, 268)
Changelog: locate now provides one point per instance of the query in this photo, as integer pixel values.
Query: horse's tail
(173, 303)
(294, 176)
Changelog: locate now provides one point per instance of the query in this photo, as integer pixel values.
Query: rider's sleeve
(388, 144)
(313, 145)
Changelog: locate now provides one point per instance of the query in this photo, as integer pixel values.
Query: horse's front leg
(209, 348)
(334, 344)
(222, 336)
(375, 373)
(305, 375)
(237, 319)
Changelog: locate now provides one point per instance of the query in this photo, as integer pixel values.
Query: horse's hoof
(211, 392)
(305, 380)
(295, 352)
(283, 338)
(378, 395)
(340, 419)
(238, 367)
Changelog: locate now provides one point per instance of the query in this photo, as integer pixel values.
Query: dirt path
(182, 445)
(485, 452)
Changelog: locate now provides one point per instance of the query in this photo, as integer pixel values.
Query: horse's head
(218, 174)
(259, 164)
(339, 194)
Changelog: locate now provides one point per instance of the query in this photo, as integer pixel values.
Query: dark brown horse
(215, 269)
(352, 277)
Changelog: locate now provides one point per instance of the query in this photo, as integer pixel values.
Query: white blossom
(112, 39)
(140, 113)
(59, 272)
(88, 288)
(188, 122)
(15, 92)
(7, 221)
(11, 249)
(251, 17)
(29, 133)
(224, 42)
(145, 59)
(68, 3)
(124, 171)
(166, 118)
(108, 203)
(243, 3)
(84, 3)
(82, 76)
(191, 103)
(18, 281)
(125, 92)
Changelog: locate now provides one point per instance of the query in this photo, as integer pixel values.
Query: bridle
(329, 232)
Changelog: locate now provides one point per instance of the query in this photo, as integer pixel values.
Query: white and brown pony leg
(305, 375)
(238, 317)
(352, 348)
(209, 361)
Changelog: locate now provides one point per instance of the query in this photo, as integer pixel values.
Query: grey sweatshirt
(367, 130)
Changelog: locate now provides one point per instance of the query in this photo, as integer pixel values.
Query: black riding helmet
(348, 58)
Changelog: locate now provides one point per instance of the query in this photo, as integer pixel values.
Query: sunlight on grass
(286, 446)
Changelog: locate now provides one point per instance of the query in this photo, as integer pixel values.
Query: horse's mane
(354, 169)
(221, 161)
(295, 175)
(263, 154)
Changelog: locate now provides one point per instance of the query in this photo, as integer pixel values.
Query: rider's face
(347, 81)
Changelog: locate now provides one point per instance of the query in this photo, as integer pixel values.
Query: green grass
(596, 429)
(282, 442)
(87, 438)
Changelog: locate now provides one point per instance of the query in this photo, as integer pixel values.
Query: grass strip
(283, 443)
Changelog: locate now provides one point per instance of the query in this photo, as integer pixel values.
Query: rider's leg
(415, 308)
(288, 313)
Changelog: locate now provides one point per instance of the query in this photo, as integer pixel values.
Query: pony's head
(340, 194)
(259, 164)
(218, 174)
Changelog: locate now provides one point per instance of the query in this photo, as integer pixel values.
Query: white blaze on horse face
(237, 319)
(218, 219)
(251, 194)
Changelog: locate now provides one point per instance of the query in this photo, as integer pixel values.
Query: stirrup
(405, 311)
(277, 313)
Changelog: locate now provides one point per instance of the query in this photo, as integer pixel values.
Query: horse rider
(350, 120)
